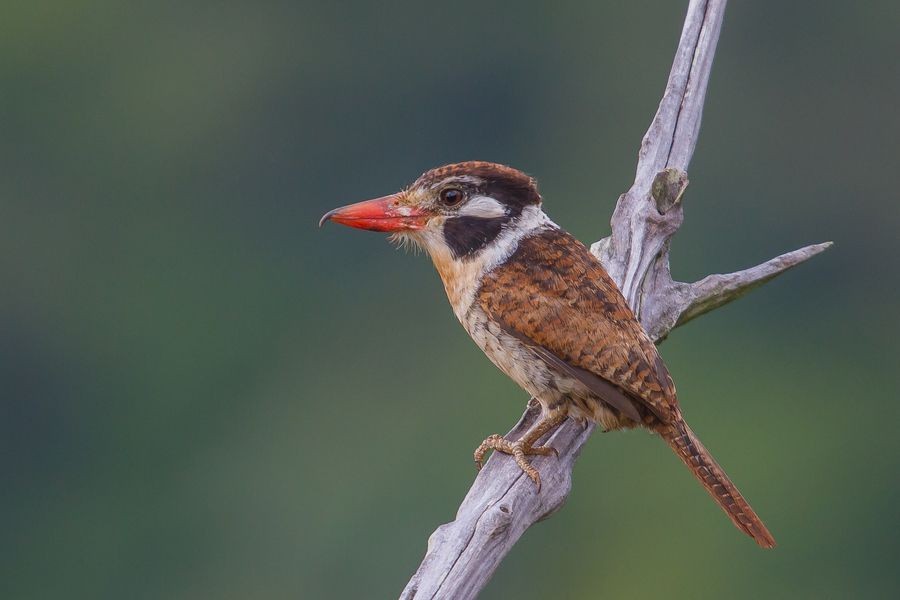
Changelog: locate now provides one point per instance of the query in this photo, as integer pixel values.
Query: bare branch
(714, 291)
(687, 301)
(502, 503)
(500, 506)
(672, 136)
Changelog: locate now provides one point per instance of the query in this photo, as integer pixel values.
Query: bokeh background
(204, 396)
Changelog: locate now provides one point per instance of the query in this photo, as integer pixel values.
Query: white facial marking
(531, 219)
(483, 207)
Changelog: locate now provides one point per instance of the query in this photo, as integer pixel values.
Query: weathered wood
(502, 502)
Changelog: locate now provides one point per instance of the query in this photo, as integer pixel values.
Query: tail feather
(704, 467)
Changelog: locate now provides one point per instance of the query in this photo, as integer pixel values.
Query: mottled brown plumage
(553, 294)
(544, 310)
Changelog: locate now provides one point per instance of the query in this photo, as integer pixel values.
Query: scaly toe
(534, 475)
(519, 450)
(492, 442)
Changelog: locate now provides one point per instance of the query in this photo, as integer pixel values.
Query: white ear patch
(483, 207)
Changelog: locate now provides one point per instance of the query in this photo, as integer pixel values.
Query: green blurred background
(204, 396)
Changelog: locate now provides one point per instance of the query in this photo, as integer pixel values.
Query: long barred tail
(704, 467)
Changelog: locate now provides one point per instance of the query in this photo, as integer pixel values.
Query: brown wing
(554, 293)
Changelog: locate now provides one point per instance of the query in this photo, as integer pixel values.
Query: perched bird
(545, 311)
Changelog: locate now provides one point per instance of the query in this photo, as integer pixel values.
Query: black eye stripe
(466, 236)
(514, 199)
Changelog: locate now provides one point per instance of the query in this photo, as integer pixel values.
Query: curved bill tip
(327, 217)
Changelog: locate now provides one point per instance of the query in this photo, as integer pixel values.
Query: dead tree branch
(502, 503)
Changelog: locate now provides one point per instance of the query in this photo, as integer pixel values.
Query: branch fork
(502, 502)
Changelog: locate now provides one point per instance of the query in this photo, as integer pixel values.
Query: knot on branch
(496, 520)
(668, 188)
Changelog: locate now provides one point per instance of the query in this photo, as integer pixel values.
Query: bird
(544, 310)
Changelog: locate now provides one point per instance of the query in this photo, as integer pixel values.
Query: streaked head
(461, 209)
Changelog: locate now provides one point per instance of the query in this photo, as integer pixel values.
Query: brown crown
(487, 171)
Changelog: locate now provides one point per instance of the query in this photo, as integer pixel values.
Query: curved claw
(536, 478)
(491, 442)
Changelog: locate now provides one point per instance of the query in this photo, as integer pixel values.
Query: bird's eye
(452, 197)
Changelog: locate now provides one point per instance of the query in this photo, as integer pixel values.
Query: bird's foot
(518, 450)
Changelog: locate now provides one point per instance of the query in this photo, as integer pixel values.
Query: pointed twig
(714, 291)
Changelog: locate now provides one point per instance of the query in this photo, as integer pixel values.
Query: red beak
(380, 214)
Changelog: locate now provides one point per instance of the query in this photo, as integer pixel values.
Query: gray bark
(502, 502)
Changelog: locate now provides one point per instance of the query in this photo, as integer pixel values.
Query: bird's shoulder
(555, 293)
